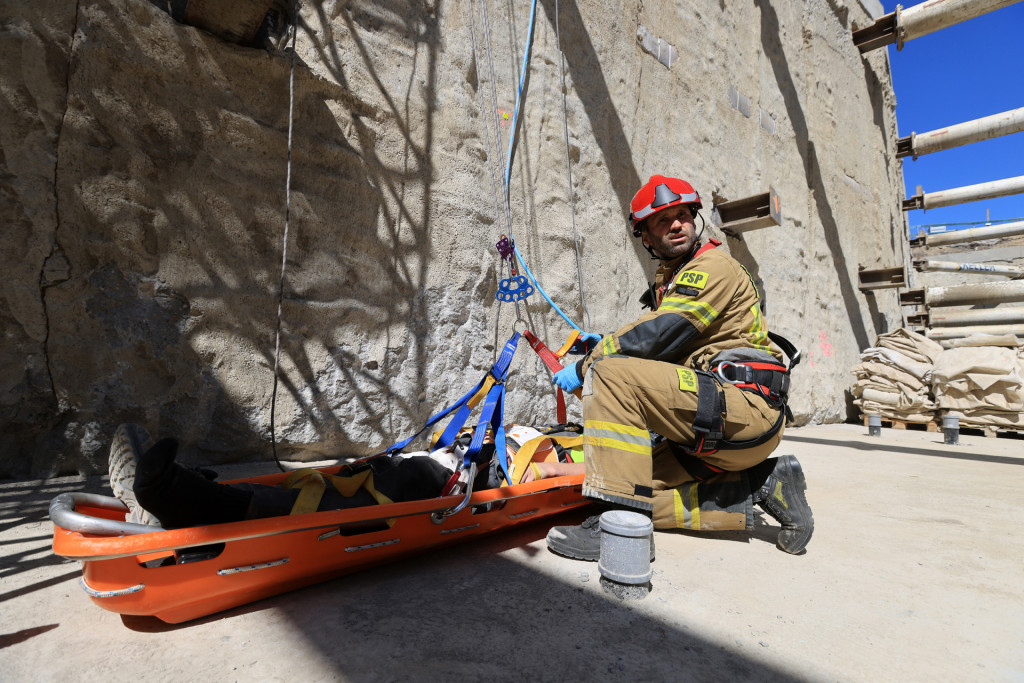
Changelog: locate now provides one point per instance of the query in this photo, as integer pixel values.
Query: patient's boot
(129, 443)
(181, 497)
(782, 496)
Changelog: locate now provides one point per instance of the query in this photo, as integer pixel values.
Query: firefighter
(700, 371)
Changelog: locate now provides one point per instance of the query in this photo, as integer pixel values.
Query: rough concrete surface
(913, 573)
(142, 205)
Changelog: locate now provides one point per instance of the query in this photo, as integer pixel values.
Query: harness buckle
(748, 373)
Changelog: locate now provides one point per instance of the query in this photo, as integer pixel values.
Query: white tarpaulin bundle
(982, 385)
(894, 376)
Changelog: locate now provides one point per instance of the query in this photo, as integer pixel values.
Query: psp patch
(687, 380)
(692, 278)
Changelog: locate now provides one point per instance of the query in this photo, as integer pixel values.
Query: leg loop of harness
(707, 426)
(763, 376)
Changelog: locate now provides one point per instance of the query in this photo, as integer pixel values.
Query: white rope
(495, 151)
(487, 128)
(494, 110)
(568, 168)
(284, 245)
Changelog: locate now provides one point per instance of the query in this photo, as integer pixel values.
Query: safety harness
(769, 380)
(745, 369)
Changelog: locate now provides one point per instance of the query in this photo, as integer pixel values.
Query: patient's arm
(551, 469)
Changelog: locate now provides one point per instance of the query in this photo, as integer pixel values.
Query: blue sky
(964, 72)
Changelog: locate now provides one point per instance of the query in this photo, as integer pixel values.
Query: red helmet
(660, 193)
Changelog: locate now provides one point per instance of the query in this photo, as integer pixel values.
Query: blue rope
(540, 289)
(511, 153)
(519, 98)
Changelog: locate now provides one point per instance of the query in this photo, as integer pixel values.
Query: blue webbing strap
(400, 445)
(490, 415)
(499, 370)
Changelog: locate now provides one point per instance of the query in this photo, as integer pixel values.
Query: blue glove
(590, 338)
(567, 380)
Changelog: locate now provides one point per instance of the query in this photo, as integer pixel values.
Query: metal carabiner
(441, 515)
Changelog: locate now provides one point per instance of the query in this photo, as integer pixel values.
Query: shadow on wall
(177, 214)
(592, 89)
(772, 45)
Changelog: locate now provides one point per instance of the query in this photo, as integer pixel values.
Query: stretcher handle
(63, 514)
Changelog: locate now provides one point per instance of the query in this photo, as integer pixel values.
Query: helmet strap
(696, 214)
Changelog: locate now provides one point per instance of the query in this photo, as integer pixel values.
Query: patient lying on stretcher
(157, 490)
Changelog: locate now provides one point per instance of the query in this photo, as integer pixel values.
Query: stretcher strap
(492, 414)
(567, 346)
(312, 484)
(524, 456)
(495, 376)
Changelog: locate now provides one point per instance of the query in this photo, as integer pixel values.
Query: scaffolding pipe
(960, 332)
(1010, 315)
(975, 268)
(980, 293)
(934, 15)
(975, 234)
(968, 193)
(961, 134)
(920, 20)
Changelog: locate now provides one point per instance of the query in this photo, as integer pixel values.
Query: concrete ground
(915, 572)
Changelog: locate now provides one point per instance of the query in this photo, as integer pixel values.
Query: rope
(494, 150)
(512, 140)
(512, 143)
(284, 245)
(568, 169)
(540, 289)
(523, 70)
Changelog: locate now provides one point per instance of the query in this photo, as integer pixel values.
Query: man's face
(671, 232)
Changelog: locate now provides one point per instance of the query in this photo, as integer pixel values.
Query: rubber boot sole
(794, 540)
(129, 443)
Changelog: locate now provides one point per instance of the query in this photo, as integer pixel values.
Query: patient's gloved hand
(567, 380)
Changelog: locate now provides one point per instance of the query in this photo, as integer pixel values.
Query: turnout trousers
(626, 398)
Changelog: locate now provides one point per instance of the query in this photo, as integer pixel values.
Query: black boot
(583, 542)
(181, 497)
(782, 496)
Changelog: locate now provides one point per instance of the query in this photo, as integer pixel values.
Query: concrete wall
(143, 207)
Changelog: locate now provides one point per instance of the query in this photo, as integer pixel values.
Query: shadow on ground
(489, 608)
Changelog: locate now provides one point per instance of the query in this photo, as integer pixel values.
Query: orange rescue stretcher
(183, 574)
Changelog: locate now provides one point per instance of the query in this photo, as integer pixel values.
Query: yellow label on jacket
(692, 278)
(687, 380)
